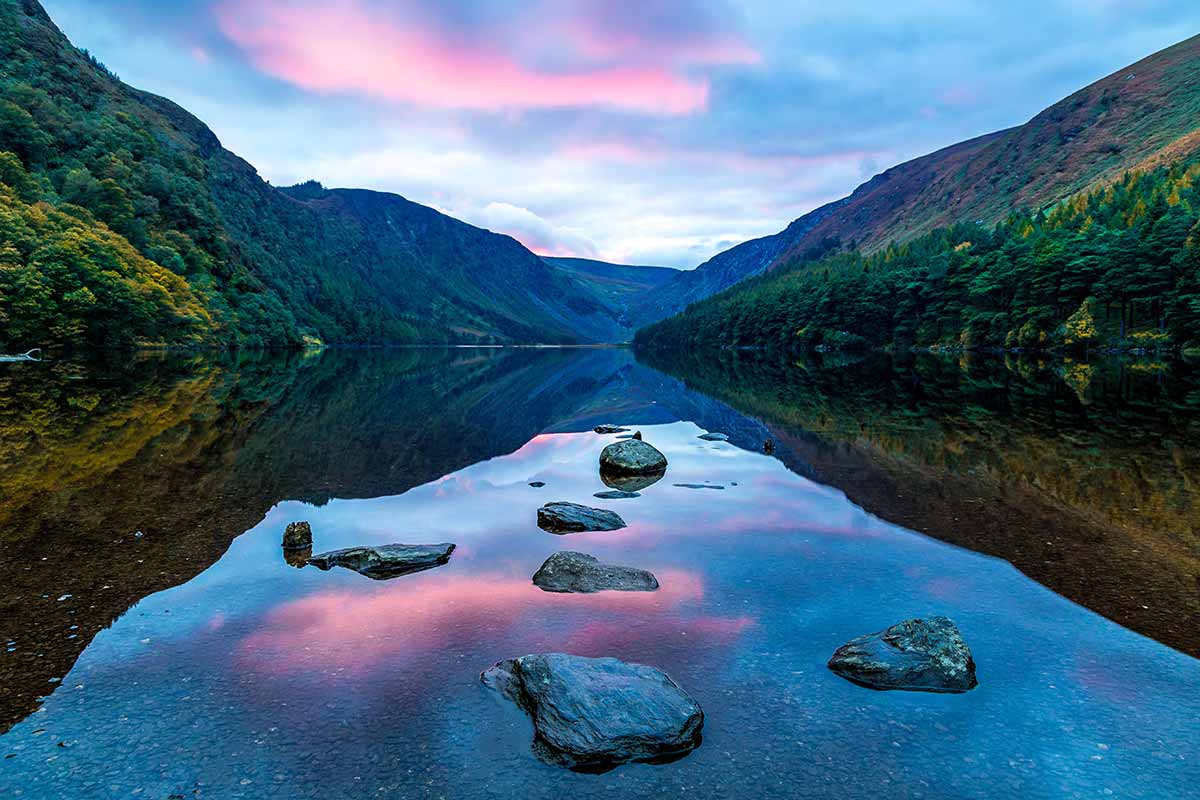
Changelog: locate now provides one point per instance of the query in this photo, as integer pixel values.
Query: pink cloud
(346, 47)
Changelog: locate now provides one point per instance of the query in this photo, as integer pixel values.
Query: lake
(158, 643)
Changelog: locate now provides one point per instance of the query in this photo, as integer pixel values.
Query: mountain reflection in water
(142, 503)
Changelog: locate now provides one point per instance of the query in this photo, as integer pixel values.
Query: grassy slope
(1140, 115)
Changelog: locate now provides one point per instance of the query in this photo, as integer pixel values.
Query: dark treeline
(1117, 266)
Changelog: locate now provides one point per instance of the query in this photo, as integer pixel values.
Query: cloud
(353, 46)
(529, 229)
(515, 115)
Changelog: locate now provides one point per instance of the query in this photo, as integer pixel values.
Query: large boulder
(573, 518)
(632, 457)
(579, 573)
(919, 655)
(593, 714)
(386, 561)
(297, 536)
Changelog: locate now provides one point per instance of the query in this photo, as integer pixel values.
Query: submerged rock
(537, 484)
(574, 518)
(610, 429)
(715, 437)
(579, 573)
(920, 655)
(616, 494)
(632, 457)
(699, 486)
(593, 714)
(297, 536)
(386, 561)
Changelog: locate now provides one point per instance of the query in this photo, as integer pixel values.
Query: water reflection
(1085, 476)
(249, 677)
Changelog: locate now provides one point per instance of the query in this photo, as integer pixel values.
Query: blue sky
(642, 131)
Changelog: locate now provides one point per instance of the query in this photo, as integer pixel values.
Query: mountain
(723, 270)
(627, 279)
(1140, 117)
(1114, 267)
(615, 287)
(123, 221)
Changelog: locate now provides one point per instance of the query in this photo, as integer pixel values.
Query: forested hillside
(1138, 118)
(124, 222)
(1115, 266)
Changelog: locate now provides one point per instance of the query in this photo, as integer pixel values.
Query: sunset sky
(640, 131)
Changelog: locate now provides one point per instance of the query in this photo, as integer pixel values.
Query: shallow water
(257, 679)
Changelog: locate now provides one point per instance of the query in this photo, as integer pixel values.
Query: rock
(386, 561)
(715, 437)
(631, 484)
(769, 447)
(297, 536)
(632, 457)
(537, 484)
(699, 486)
(579, 573)
(638, 436)
(594, 714)
(610, 429)
(920, 655)
(616, 494)
(573, 518)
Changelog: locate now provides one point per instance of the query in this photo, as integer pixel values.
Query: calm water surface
(145, 504)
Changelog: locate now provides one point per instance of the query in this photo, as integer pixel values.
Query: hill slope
(723, 270)
(1142, 116)
(618, 288)
(160, 235)
(1115, 267)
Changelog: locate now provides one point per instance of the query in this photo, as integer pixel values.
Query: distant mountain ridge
(619, 288)
(1143, 115)
(724, 270)
(158, 235)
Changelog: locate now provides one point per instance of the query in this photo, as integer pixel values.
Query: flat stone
(594, 714)
(386, 561)
(715, 437)
(699, 486)
(537, 484)
(610, 429)
(579, 573)
(632, 457)
(574, 518)
(919, 655)
(616, 494)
